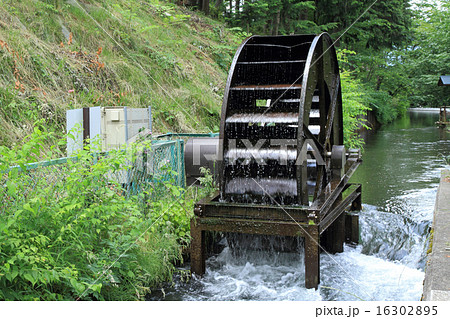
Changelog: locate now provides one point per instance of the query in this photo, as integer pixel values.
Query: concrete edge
(437, 270)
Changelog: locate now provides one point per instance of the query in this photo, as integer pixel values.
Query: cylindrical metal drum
(200, 152)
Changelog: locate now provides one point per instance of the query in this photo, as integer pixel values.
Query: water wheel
(281, 117)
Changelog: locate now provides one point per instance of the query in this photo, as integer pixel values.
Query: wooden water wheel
(281, 117)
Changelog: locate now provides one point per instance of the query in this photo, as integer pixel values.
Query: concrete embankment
(437, 272)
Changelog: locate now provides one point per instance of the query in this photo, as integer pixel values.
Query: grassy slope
(157, 55)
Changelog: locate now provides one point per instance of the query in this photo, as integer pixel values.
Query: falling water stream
(399, 175)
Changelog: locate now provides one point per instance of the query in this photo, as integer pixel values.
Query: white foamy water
(262, 186)
(386, 265)
(261, 154)
(263, 275)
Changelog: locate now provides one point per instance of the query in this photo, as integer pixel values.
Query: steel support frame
(211, 215)
(199, 225)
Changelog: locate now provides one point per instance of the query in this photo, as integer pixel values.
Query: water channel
(400, 174)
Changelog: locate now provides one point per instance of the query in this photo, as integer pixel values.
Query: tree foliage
(375, 30)
(384, 25)
(272, 17)
(71, 231)
(428, 57)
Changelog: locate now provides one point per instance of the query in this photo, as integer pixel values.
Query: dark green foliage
(428, 57)
(384, 25)
(272, 16)
(72, 232)
(373, 35)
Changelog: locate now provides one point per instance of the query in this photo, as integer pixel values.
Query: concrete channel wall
(437, 271)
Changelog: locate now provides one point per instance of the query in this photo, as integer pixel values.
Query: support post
(198, 249)
(125, 114)
(86, 125)
(352, 220)
(312, 257)
(351, 229)
(150, 119)
(338, 231)
(325, 240)
(332, 239)
(357, 203)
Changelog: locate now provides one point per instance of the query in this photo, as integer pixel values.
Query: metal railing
(185, 135)
(163, 162)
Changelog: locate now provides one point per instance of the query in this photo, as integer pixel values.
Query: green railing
(168, 155)
(185, 135)
(163, 162)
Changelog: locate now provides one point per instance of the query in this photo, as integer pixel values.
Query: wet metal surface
(280, 88)
(275, 86)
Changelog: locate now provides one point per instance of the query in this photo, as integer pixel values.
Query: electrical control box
(107, 127)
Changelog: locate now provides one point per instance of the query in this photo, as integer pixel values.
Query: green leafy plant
(208, 182)
(355, 106)
(445, 158)
(74, 231)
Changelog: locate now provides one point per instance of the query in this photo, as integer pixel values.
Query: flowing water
(400, 174)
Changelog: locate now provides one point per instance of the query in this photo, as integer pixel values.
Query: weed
(208, 182)
(71, 231)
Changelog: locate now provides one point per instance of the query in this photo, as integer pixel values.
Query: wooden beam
(312, 258)
(198, 249)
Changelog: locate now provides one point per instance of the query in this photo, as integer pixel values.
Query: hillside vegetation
(72, 231)
(57, 55)
(62, 54)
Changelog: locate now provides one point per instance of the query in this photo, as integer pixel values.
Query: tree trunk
(316, 13)
(204, 6)
(189, 3)
(276, 23)
(238, 7)
(379, 81)
(267, 27)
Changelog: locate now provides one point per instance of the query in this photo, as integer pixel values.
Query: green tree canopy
(429, 55)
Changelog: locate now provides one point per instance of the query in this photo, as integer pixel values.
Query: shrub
(354, 110)
(71, 231)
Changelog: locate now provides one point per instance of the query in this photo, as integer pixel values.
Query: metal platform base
(326, 227)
